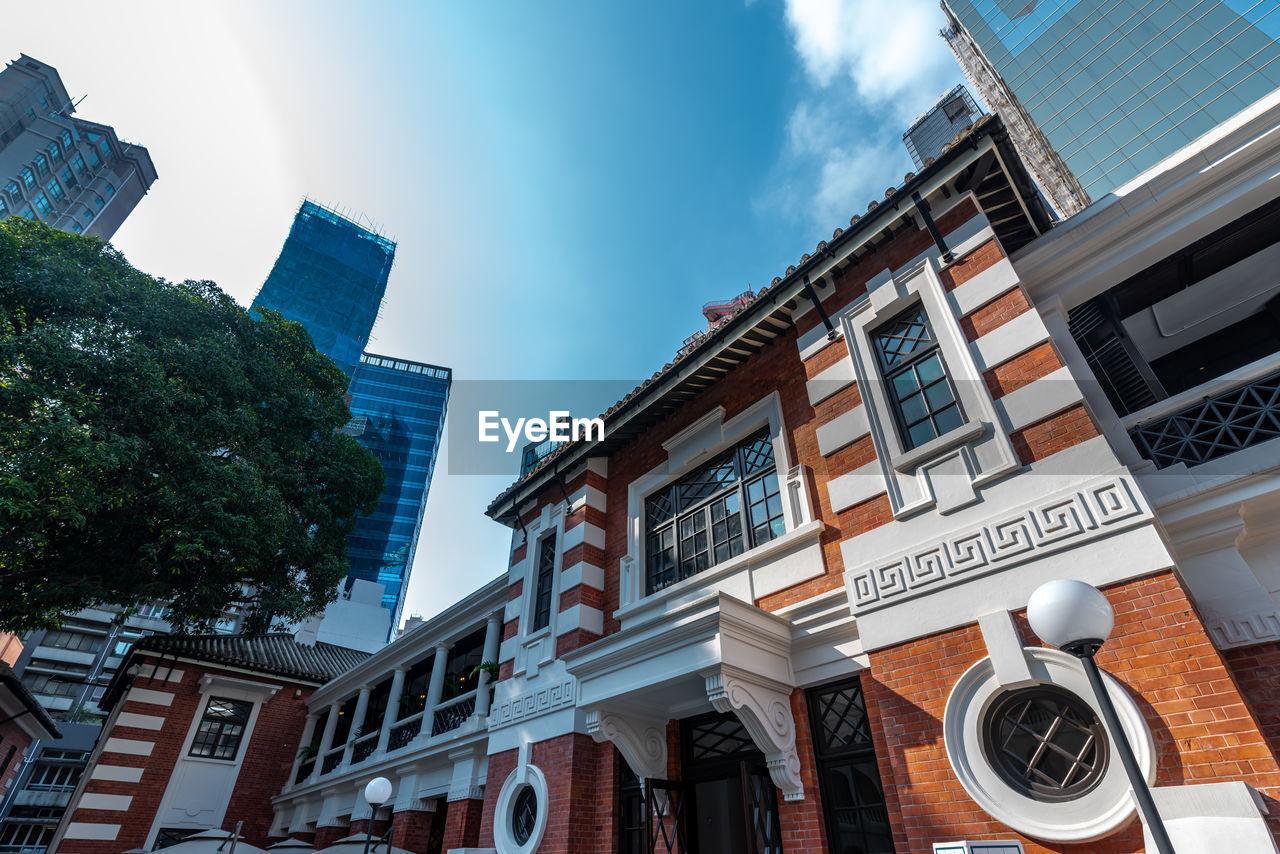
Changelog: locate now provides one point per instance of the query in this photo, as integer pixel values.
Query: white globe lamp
(1071, 615)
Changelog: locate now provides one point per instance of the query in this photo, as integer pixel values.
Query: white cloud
(890, 51)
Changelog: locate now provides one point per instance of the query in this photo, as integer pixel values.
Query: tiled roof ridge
(272, 652)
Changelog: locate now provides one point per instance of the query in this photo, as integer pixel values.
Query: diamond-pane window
(221, 729)
(1046, 743)
(524, 815)
(546, 578)
(714, 513)
(842, 717)
(718, 737)
(916, 380)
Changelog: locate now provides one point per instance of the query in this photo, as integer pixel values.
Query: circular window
(1046, 743)
(524, 815)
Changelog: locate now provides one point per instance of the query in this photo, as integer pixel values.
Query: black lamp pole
(1142, 794)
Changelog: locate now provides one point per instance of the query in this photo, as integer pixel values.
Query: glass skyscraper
(397, 410)
(330, 277)
(1118, 85)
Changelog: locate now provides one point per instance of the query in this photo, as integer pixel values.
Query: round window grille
(524, 815)
(1046, 743)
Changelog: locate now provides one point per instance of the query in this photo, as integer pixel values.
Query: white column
(492, 637)
(326, 739)
(357, 722)
(437, 676)
(393, 709)
(308, 731)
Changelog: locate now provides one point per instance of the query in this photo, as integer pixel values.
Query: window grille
(546, 579)
(1046, 743)
(716, 512)
(916, 381)
(221, 729)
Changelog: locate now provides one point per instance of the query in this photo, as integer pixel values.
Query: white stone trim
(1004, 648)
(996, 280)
(1010, 339)
(586, 574)
(130, 746)
(150, 697)
(134, 719)
(148, 672)
(109, 803)
(522, 775)
(1091, 816)
(842, 430)
(89, 830)
(1040, 399)
(855, 487)
(532, 704)
(580, 617)
(765, 710)
(584, 532)
(116, 773)
(830, 380)
(641, 741)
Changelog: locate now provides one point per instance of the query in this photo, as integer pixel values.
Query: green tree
(157, 442)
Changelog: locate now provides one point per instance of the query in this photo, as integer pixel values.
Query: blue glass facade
(330, 277)
(398, 410)
(1118, 85)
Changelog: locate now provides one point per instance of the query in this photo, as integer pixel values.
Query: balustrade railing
(405, 731)
(332, 760)
(1215, 426)
(304, 770)
(453, 714)
(364, 748)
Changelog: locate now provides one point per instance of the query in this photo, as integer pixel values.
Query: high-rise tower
(73, 174)
(1113, 87)
(330, 277)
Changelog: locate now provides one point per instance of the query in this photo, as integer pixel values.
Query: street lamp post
(1076, 618)
(376, 793)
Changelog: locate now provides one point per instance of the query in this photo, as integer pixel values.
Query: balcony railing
(453, 714)
(1215, 426)
(304, 770)
(405, 732)
(364, 748)
(332, 760)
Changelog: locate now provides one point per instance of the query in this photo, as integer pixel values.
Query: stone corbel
(764, 707)
(642, 742)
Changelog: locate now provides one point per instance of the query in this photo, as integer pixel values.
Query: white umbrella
(210, 841)
(355, 845)
(291, 846)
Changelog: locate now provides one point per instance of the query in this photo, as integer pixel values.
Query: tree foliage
(157, 443)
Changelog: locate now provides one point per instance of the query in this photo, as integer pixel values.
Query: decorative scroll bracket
(764, 707)
(642, 742)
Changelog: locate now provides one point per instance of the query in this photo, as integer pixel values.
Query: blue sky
(568, 181)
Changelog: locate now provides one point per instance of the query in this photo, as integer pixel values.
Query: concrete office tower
(73, 174)
(950, 114)
(1114, 87)
(397, 409)
(330, 277)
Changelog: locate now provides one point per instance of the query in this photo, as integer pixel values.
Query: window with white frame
(925, 405)
(716, 512)
(221, 729)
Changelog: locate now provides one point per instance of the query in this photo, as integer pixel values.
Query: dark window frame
(544, 588)
(895, 365)
(1025, 780)
(219, 736)
(834, 751)
(722, 509)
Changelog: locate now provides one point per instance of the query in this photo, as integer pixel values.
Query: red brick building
(22, 721)
(781, 604)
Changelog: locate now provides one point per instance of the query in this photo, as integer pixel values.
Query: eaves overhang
(1005, 187)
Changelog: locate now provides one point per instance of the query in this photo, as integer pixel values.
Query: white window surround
(1095, 814)
(945, 471)
(689, 449)
(522, 775)
(538, 648)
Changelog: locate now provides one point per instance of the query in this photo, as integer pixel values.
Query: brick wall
(1202, 727)
(1257, 672)
(14, 742)
(462, 824)
(277, 735)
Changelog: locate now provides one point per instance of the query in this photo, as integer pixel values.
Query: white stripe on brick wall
(1009, 339)
(148, 671)
(1036, 401)
(582, 573)
(116, 773)
(983, 288)
(584, 533)
(833, 379)
(855, 487)
(129, 745)
(842, 430)
(512, 610)
(580, 617)
(90, 830)
(507, 649)
(140, 721)
(153, 698)
(99, 801)
(814, 341)
(588, 495)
